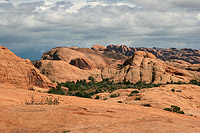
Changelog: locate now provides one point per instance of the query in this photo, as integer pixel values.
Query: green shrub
(114, 95)
(138, 98)
(173, 90)
(178, 90)
(195, 82)
(147, 105)
(97, 97)
(134, 92)
(58, 90)
(174, 109)
(119, 101)
(91, 78)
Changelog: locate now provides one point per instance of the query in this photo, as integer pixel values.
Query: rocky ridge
(20, 73)
(185, 54)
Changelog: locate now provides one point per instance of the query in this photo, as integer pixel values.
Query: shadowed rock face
(19, 72)
(145, 67)
(82, 64)
(186, 54)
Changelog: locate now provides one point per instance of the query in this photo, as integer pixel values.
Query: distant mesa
(189, 55)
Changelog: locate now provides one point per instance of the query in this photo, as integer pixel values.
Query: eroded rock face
(69, 53)
(74, 64)
(82, 64)
(19, 72)
(145, 67)
(186, 54)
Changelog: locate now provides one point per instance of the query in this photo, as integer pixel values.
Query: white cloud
(49, 23)
(198, 17)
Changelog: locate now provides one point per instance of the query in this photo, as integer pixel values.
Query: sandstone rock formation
(71, 64)
(97, 48)
(83, 64)
(19, 72)
(61, 71)
(145, 67)
(186, 54)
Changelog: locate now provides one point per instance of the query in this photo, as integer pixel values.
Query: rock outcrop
(20, 73)
(82, 64)
(145, 67)
(71, 64)
(98, 47)
(186, 54)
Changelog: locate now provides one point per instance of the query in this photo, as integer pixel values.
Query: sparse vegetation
(119, 102)
(174, 109)
(82, 88)
(42, 101)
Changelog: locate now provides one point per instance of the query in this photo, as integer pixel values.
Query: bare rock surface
(86, 115)
(19, 72)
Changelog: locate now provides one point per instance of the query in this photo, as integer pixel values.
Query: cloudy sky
(31, 27)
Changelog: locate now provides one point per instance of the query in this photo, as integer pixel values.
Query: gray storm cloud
(46, 24)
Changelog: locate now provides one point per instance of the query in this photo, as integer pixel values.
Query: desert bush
(42, 101)
(58, 90)
(174, 109)
(97, 97)
(138, 98)
(114, 95)
(147, 105)
(178, 90)
(119, 101)
(173, 90)
(195, 82)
